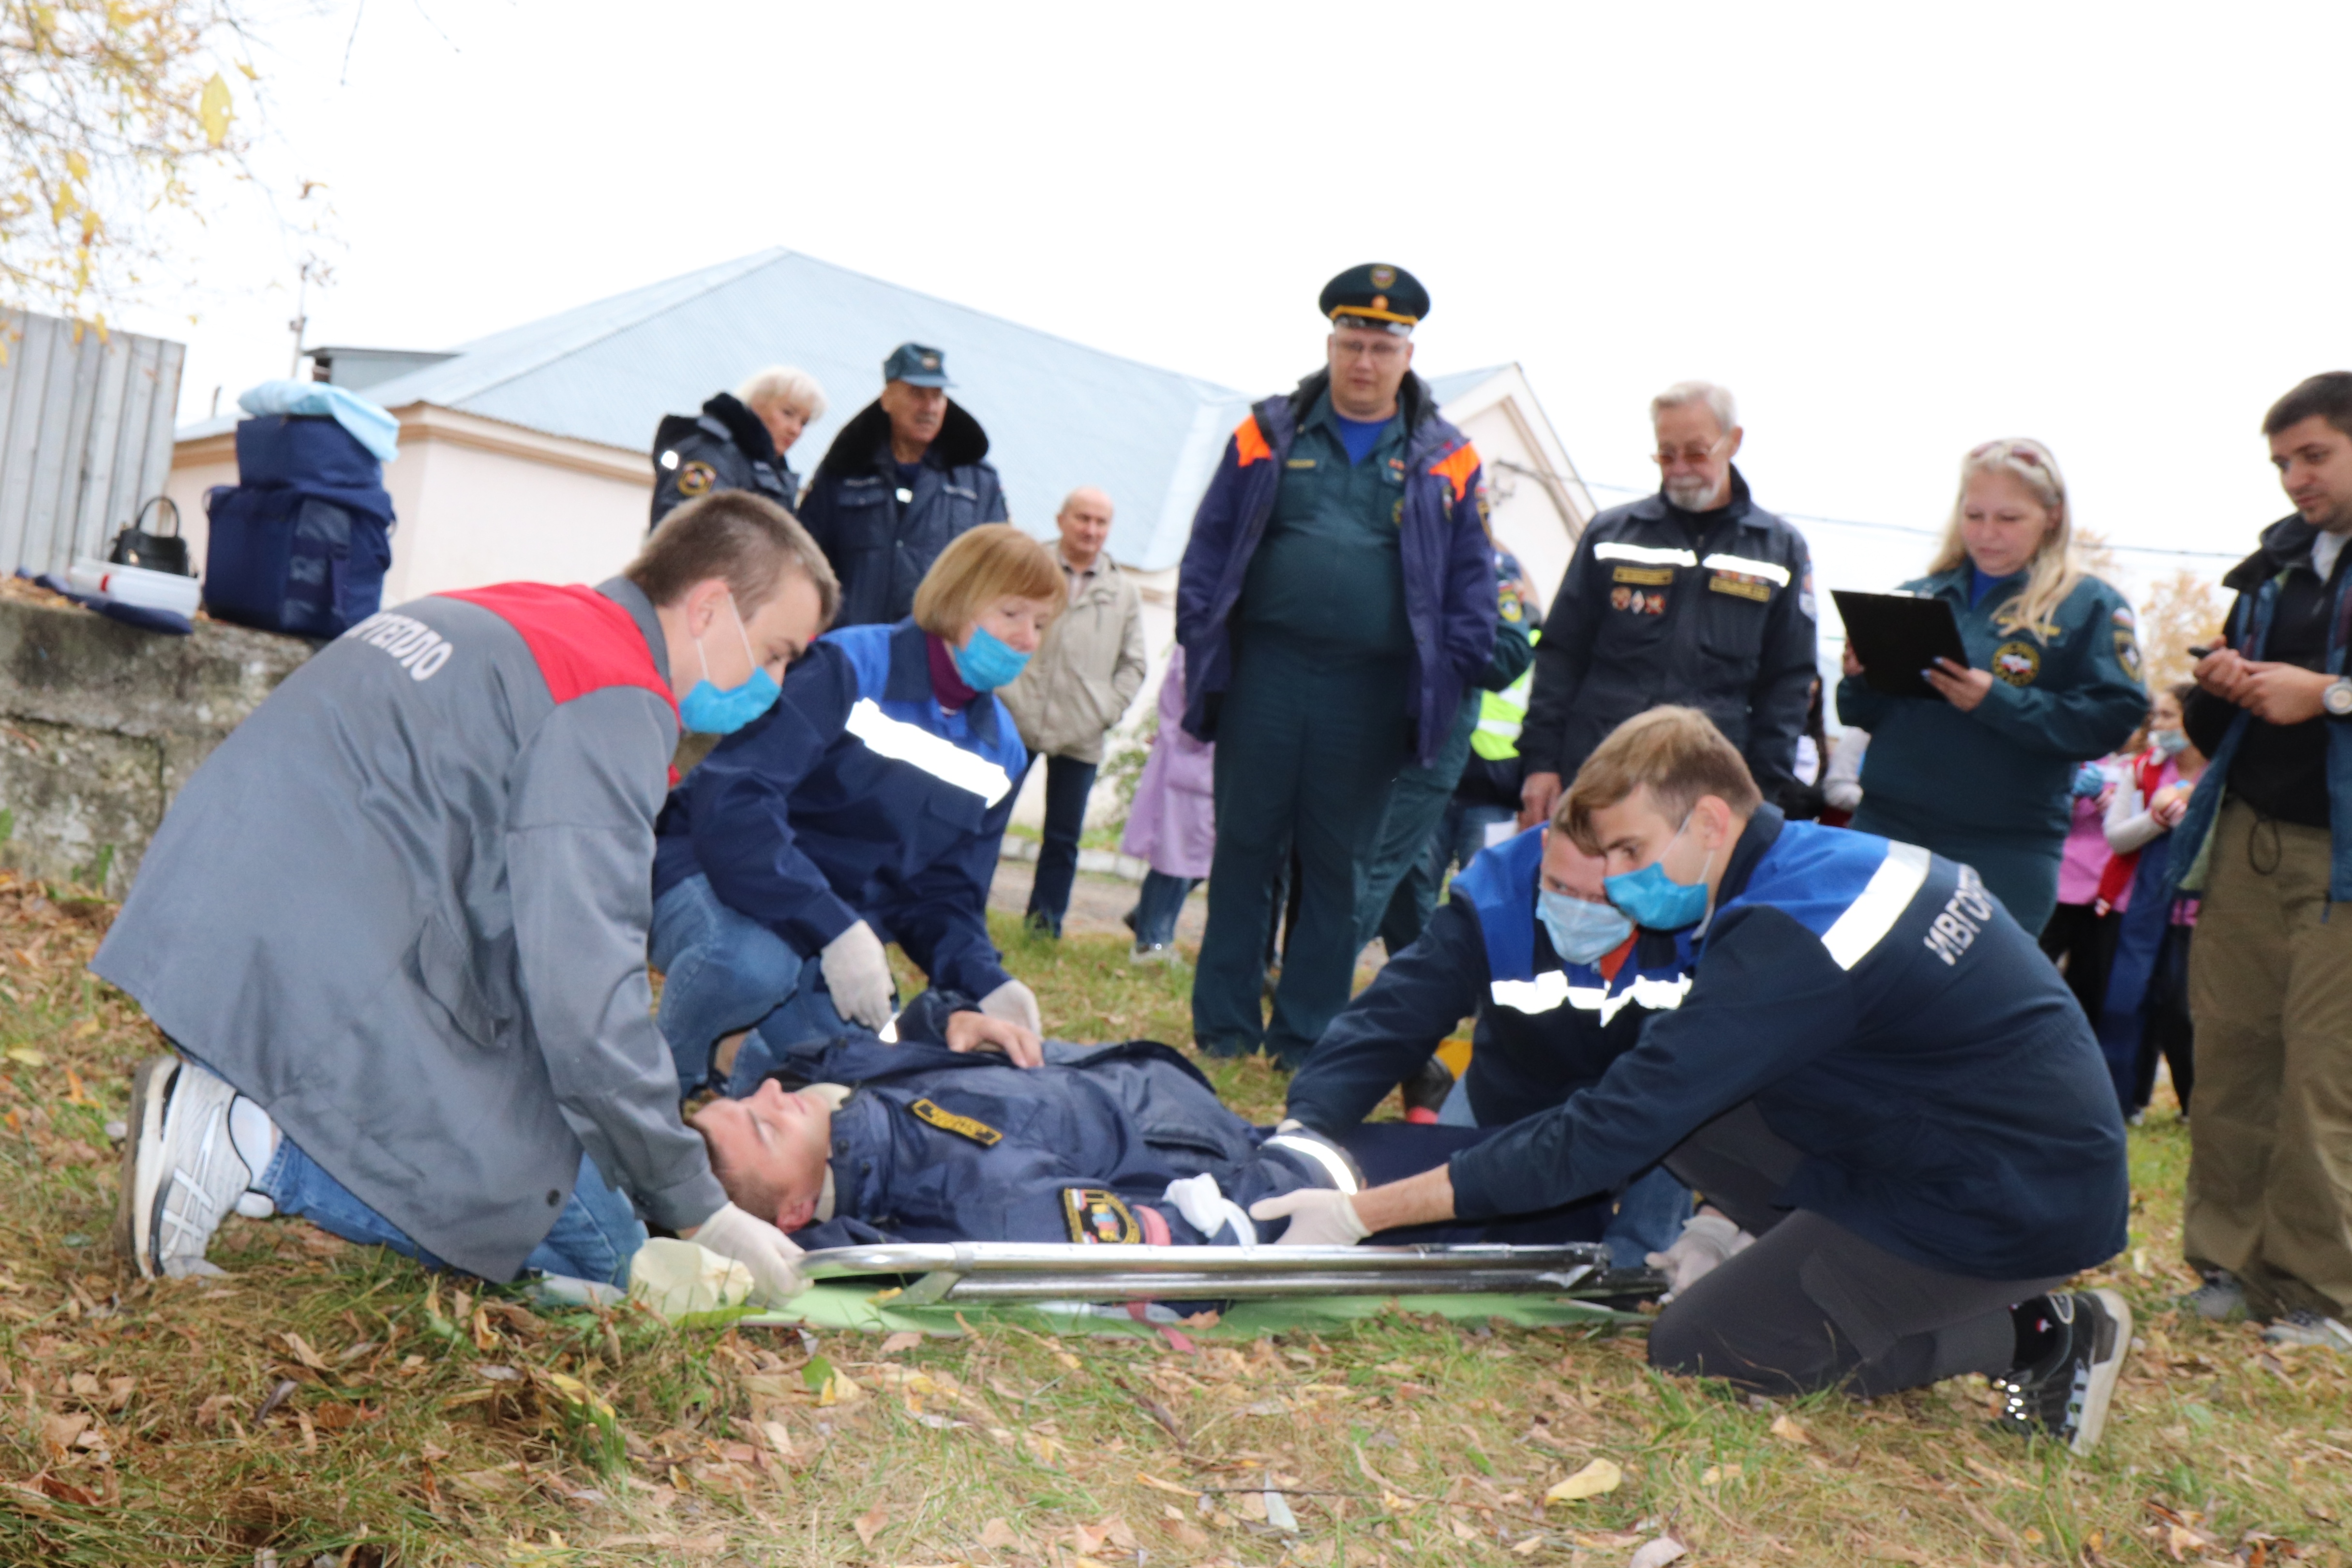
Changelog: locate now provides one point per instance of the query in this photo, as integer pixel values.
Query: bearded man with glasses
(1694, 596)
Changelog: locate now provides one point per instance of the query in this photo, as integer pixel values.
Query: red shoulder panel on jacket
(1456, 467)
(1249, 442)
(581, 641)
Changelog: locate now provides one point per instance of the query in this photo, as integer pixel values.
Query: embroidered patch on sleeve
(696, 478)
(979, 1132)
(2127, 652)
(1097, 1217)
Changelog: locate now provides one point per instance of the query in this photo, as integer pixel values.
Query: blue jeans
(1649, 1217)
(1068, 781)
(723, 971)
(1157, 905)
(1462, 834)
(595, 1235)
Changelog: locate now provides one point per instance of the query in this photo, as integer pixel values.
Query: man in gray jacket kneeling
(396, 925)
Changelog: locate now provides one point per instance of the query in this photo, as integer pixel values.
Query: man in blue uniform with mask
(1876, 1073)
(1559, 985)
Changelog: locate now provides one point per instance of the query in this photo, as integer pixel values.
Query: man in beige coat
(1075, 690)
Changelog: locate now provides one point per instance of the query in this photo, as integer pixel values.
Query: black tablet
(1897, 635)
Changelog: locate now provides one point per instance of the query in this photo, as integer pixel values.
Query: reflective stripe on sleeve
(1544, 993)
(1881, 901)
(1740, 563)
(1648, 556)
(1657, 996)
(1326, 1159)
(934, 754)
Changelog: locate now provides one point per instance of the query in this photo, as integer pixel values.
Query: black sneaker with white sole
(181, 1171)
(2066, 1393)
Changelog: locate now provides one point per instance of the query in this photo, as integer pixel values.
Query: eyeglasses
(1689, 457)
(1367, 347)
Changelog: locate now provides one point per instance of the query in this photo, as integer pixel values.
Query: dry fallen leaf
(1788, 1431)
(780, 1439)
(998, 1535)
(61, 1431)
(905, 1338)
(1661, 1551)
(870, 1524)
(1600, 1476)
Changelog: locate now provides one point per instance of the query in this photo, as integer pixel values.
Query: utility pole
(301, 321)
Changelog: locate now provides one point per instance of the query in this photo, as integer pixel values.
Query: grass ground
(332, 1405)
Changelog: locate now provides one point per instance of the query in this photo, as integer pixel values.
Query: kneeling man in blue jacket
(1896, 1114)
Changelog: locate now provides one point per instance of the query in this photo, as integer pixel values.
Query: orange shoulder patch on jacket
(1249, 442)
(1456, 467)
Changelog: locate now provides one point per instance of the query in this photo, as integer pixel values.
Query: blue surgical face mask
(2172, 742)
(1652, 899)
(706, 710)
(985, 662)
(1581, 932)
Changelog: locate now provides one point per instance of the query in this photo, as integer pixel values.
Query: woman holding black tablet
(1982, 771)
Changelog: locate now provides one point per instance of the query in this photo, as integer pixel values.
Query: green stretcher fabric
(856, 1309)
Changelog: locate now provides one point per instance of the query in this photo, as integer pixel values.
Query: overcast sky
(1893, 231)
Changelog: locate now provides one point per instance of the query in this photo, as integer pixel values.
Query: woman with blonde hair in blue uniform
(1982, 772)
(866, 806)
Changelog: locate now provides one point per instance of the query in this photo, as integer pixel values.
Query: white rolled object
(136, 585)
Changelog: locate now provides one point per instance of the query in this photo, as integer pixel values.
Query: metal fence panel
(85, 436)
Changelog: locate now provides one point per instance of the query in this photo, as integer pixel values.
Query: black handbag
(156, 553)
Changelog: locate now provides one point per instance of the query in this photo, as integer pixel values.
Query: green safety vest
(1500, 715)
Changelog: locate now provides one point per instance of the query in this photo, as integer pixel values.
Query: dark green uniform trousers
(1396, 895)
(1306, 748)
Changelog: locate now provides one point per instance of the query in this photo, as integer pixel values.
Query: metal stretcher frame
(1012, 1272)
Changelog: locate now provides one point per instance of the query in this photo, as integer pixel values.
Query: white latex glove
(1015, 1003)
(1319, 1217)
(857, 973)
(1707, 1242)
(759, 1246)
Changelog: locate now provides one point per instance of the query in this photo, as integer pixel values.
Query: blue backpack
(301, 542)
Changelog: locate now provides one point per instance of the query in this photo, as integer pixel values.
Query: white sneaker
(2302, 1327)
(180, 1169)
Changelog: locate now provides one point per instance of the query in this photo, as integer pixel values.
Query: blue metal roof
(1058, 414)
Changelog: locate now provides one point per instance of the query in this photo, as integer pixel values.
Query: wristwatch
(2336, 698)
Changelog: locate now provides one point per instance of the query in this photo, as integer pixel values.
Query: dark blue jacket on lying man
(853, 797)
(1887, 1017)
(1124, 1143)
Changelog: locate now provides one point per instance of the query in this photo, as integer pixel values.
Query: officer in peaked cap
(901, 481)
(1335, 599)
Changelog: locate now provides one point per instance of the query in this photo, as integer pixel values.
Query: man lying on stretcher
(938, 1137)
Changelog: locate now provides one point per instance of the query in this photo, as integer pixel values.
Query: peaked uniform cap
(1376, 291)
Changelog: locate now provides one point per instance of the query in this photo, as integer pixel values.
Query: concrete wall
(100, 724)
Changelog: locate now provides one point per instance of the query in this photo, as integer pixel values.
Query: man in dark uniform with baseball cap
(901, 480)
(1337, 596)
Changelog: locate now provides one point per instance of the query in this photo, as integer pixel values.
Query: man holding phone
(2267, 842)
